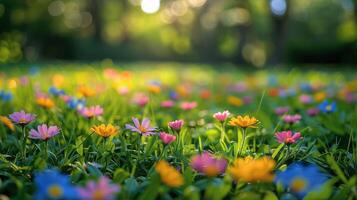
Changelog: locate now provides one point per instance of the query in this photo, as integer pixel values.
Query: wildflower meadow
(149, 131)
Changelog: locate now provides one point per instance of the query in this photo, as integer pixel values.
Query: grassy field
(286, 133)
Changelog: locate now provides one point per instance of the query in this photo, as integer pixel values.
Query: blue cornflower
(327, 107)
(5, 96)
(173, 95)
(74, 103)
(53, 185)
(55, 91)
(301, 179)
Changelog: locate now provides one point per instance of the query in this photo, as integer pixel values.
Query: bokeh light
(150, 6)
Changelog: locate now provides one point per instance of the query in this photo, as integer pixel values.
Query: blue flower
(74, 103)
(301, 179)
(53, 185)
(306, 87)
(327, 107)
(173, 95)
(5, 96)
(55, 91)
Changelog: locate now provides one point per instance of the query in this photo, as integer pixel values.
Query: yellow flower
(252, 170)
(235, 101)
(7, 122)
(45, 102)
(155, 89)
(244, 122)
(105, 130)
(169, 175)
(320, 96)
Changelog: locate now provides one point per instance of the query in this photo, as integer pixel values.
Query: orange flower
(252, 170)
(244, 122)
(105, 130)
(45, 102)
(169, 175)
(86, 91)
(7, 122)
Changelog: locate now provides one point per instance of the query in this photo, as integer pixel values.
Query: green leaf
(277, 150)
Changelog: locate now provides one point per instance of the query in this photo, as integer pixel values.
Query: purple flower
(43, 132)
(305, 99)
(102, 189)
(287, 137)
(292, 119)
(207, 164)
(281, 110)
(144, 128)
(176, 125)
(22, 118)
(313, 112)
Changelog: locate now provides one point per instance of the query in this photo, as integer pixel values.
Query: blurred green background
(254, 32)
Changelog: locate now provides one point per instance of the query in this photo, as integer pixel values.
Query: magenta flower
(22, 118)
(167, 138)
(292, 119)
(305, 99)
(176, 125)
(188, 105)
(92, 111)
(102, 189)
(140, 99)
(43, 132)
(167, 104)
(287, 137)
(221, 116)
(281, 110)
(144, 128)
(207, 164)
(313, 111)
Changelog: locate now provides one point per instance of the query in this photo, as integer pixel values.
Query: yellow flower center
(211, 171)
(22, 120)
(298, 184)
(329, 108)
(98, 195)
(55, 191)
(142, 129)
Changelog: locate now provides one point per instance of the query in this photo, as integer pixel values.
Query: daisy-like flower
(176, 125)
(105, 130)
(287, 137)
(144, 128)
(51, 184)
(221, 116)
(43, 132)
(22, 118)
(168, 174)
(301, 179)
(90, 112)
(327, 107)
(167, 138)
(188, 105)
(7, 122)
(244, 122)
(102, 189)
(207, 164)
(292, 119)
(249, 169)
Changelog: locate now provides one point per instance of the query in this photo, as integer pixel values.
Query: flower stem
(24, 138)
(243, 141)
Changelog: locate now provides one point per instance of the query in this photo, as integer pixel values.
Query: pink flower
(123, 90)
(207, 164)
(305, 99)
(167, 138)
(140, 99)
(92, 111)
(221, 116)
(287, 137)
(188, 105)
(176, 125)
(281, 110)
(144, 128)
(313, 111)
(292, 119)
(43, 132)
(102, 189)
(167, 104)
